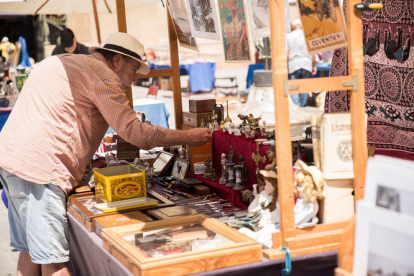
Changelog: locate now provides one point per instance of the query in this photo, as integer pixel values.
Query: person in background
(300, 64)
(69, 44)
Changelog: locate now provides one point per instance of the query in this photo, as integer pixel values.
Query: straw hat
(127, 45)
(271, 174)
(316, 174)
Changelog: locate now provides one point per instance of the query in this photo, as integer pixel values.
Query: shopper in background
(300, 64)
(69, 44)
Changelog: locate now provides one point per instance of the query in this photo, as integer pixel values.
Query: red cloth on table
(242, 146)
(221, 190)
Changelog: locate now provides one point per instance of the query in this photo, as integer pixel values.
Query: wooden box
(202, 190)
(126, 151)
(194, 119)
(80, 207)
(119, 220)
(165, 247)
(200, 106)
(172, 212)
(119, 183)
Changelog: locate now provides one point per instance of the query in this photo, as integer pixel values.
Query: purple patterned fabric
(389, 77)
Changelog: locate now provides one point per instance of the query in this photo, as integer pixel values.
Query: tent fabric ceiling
(66, 6)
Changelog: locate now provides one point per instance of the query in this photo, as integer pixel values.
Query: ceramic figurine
(223, 178)
(244, 173)
(255, 192)
(271, 156)
(247, 131)
(254, 122)
(309, 185)
(258, 159)
(202, 124)
(239, 180)
(264, 128)
(231, 155)
(181, 151)
(244, 119)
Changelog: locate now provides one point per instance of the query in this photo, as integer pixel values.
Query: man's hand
(199, 136)
(315, 70)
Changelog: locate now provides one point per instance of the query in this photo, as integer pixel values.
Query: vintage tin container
(119, 183)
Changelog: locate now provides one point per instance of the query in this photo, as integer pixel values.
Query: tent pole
(122, 27)
(95, 15)
(41, 7)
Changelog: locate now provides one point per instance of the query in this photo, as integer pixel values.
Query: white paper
(203, 19)
(384, 241)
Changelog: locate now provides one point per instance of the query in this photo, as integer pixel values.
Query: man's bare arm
(193, 137)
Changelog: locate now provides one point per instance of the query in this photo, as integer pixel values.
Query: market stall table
(155, 112)
(89, 257)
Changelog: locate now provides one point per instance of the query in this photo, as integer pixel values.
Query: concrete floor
(8, 257)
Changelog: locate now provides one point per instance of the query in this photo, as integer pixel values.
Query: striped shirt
(61, 116)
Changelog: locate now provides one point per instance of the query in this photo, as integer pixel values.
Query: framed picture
(384, 242)
(234, 31)
(203, 19)
(182, 24)
(180, 246)
(259, 17)
(162, 162)
(180, 168)
(80, 207)
(323, 25)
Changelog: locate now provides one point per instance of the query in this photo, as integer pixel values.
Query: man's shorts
(37, 218)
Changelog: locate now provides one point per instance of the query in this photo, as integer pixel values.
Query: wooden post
(95, 15)
(358, 121)
(282, 126)
(122, 27)
(175, 66)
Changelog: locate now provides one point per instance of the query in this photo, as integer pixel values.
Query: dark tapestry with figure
(389, 78)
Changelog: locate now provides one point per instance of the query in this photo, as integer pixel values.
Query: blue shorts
(37, 218)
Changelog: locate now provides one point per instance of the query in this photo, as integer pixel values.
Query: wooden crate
(122, 219)
(241, 250)
(200, 106)
(194, 119)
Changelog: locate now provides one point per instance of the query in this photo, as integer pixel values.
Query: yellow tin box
(119, 183)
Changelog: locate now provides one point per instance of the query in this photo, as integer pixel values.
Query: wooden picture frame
(233, 249)
(76, 207)
(180, 168)
(162, 162)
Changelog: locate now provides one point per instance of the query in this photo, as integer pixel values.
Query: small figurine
(309, 186)
(247, 131)
(244, 119)
(254, 121)
(257, 159)
(207, 171)
(244, 173)
(202, 124)
(181, 151)
(231, 155)
(214, 176)
(264, 128)
(223, 178)
(271, 156)
(187, 153)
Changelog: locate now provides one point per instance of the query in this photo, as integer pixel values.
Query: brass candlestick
(228, 118)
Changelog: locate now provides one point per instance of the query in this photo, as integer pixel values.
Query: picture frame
(172, 246)
(259, 18)
(384, 241)
(323, 25)
(80, 207)
(162, 162)
(203, 19)
(180, 168)
(182, 25)
(235, 43)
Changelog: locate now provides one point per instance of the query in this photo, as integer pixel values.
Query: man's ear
(117, 62)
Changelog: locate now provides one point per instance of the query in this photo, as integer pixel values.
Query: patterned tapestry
(389, 77)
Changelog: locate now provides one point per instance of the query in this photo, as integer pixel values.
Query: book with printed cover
(336, 146)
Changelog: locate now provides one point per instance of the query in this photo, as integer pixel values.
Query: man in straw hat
(63, 112)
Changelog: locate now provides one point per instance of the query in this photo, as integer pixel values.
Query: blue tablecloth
(155, 112)
(201, 74)
(3, 118)
(252, 68)
(322, 67)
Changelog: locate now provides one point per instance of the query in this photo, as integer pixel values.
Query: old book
(336, 146)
